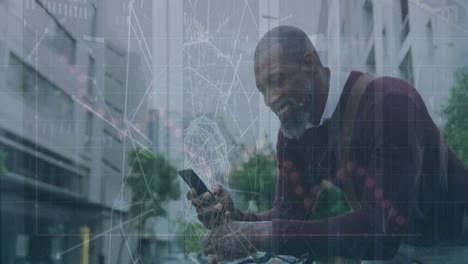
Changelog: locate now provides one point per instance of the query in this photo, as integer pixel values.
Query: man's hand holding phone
(215, 208)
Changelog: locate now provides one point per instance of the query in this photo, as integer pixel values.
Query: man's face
(287, 89)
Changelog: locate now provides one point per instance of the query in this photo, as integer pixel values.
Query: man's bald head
(294, 44)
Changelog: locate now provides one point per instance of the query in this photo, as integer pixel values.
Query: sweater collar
(337, 83)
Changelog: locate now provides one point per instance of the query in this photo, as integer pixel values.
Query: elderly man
(371, 137)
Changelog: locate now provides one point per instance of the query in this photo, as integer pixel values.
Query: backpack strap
(347, 127)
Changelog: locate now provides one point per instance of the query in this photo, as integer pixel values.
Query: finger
(206, 196)
(191, 194)
(208, 209)
(227, 217)
(218, 207)
(217, 189)
(221, 194)
(200, 202)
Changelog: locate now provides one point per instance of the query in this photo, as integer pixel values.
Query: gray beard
(295, 127)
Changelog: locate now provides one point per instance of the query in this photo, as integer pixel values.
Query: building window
(21, 78)
(31, 166)
(450, 13)
(113, 107)
(88, 131)
(385, 43)
(91, 77)
(368, 18)
(93, 20)
(405, 27)
(57, 37)
(111, 139)
(153, 129)
(62, 42)
(406, 68)
(430, 39)
(52, 102)
(114, 169)
(323, 20)
(370, 61)
(404, 9)
(345, 54)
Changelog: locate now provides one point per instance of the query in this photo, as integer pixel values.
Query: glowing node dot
(361, 172)
(316, 189)
(341, 174)
(378, 193)
(393, 212)
(370, 183)
(351, 166)
(294, 176)
(385, 204)
(299, 190)
(287, 164)
(83, 78)
(400, 220)
(308, 202)
(178, 133)
(280, 171)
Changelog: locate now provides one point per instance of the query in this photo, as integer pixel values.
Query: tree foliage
(456, 114)
(192, 241)
(153, 181)
(254, 179)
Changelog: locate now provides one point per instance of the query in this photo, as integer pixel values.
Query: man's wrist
(263, 240)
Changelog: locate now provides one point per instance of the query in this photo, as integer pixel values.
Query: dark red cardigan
(407, 192)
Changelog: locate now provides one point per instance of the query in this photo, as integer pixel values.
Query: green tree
(152, 181)
(193, 231)
(255, 179)
(24, 84)
(456, 114)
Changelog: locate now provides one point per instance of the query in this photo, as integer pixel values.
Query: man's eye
(276, 81)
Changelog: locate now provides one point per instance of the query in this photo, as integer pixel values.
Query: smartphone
(193, 181)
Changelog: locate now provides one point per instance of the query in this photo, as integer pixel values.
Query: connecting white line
(104, 233)
(252, 15)
(148, 88)
(94, 39)
(204, 78)
(232, 60)
(122, 132)
(142, 34)
(46, 31)
(148, 64)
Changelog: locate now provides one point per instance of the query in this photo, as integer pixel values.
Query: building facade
(419, 41)
(67, 120)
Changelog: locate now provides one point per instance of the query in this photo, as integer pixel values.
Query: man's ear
(312, 62)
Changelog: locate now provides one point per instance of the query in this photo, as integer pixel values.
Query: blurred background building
(66, 116)
(421, 41)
